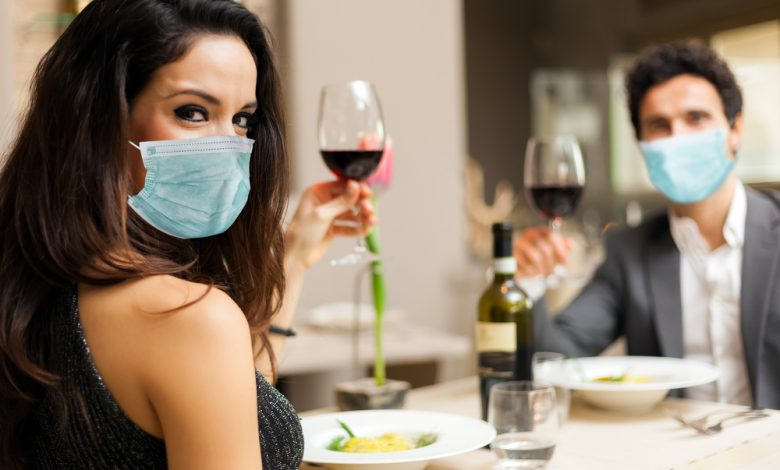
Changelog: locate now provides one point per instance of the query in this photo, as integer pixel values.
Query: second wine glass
(554, 180)
(351, 136)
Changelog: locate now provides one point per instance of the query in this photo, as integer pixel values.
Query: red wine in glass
(556, 201)
(352, 164)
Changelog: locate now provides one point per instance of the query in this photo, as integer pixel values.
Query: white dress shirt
(710, 284)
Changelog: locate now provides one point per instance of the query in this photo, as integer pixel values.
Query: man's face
(684, 104)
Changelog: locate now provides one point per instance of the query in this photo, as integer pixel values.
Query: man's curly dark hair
(663, 62)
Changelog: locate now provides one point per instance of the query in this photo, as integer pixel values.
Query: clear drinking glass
(550, 368)
(351, 137)
(554, 180)
(526, 420)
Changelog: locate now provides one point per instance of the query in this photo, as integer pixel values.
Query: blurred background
(463, 85)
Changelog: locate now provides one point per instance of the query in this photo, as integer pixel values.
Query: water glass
(550, 368)
(526, 420)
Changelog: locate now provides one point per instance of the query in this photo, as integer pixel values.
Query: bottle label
(505, 265)
(496, 337)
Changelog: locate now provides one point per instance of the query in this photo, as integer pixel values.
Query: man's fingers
(539, 250)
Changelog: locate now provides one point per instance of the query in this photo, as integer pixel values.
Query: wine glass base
(558, 276)
(354, 258)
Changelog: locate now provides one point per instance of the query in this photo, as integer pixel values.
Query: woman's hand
(538, 250)
(325, 211)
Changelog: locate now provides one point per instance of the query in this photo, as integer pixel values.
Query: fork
(718, 427)
(701, 421)
(700, 424)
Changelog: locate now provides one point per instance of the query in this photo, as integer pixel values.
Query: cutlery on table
(700, 424)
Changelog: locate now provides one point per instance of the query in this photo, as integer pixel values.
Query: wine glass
(554, 180)
(526, 421)
(351, 136)
(551, 368)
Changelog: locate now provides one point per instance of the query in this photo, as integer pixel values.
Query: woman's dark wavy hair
(663, 62)
(65, 183)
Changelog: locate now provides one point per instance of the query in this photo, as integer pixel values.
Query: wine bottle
(504, 332)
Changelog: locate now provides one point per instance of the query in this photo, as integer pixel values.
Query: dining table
(594, 439)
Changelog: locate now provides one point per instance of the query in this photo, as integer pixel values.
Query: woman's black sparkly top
(108, 439)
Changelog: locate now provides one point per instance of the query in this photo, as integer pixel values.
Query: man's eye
(658, 126)
(244, 120)
(192, 113)
(696, 117)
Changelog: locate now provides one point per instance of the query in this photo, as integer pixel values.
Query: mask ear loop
(732, 122)
(139, 149)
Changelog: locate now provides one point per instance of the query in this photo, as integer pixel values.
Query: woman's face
(210, 91)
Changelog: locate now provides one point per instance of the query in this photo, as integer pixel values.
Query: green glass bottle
(504, 332)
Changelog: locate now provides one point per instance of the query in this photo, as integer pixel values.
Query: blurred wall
(27, 30)
(412, 51)
(6, 74)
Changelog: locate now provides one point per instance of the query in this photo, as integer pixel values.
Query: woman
(142, 256)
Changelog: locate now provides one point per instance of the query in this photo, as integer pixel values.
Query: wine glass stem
(555, 225)
(360, 245)
(559, 271)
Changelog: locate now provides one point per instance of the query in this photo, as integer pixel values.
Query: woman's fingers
(341, 202)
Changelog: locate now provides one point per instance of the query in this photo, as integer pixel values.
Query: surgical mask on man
(194, 188)
(690, 167)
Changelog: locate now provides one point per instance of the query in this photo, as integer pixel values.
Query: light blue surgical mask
(194, 188)
(688, 168)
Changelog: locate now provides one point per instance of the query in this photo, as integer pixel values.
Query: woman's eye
(192, 113)
(244, 120)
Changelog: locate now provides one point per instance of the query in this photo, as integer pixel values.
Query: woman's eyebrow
(211, 99)
(205, 96)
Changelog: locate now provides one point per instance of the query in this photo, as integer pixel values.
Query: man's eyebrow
(654, 120)
(201, 94)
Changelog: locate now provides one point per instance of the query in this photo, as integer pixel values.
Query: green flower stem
(378, 290)
(378, 285)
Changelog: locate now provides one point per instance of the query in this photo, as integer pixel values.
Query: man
(697, 281)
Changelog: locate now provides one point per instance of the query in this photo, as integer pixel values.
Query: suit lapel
(758, 271)
(663, 264)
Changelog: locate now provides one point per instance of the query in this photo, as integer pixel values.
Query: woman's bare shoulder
(155, 338)
(156, 298)
(165, 318)
(199, 370)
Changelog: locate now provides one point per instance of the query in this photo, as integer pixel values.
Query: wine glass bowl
(554, 177)
(351, 131)
(554, 181)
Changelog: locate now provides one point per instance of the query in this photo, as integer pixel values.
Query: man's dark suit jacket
(636, 293)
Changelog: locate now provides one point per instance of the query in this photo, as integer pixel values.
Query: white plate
(455, 434)
(664, 374)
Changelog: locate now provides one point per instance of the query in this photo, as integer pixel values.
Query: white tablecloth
(597, 440)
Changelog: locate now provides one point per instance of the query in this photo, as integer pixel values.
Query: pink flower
(383, 175)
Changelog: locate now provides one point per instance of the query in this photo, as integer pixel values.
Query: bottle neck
(504, 268)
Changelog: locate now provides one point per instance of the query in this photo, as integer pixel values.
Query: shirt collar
(686, 233)
(734, 228)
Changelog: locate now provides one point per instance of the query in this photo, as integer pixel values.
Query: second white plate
(662, 374)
